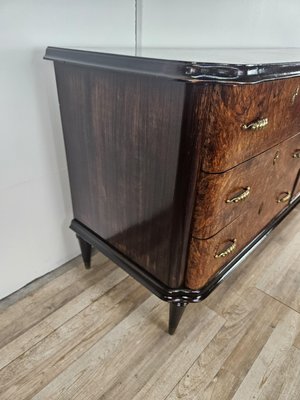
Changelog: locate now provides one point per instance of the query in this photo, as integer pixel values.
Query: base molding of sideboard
(178, 297)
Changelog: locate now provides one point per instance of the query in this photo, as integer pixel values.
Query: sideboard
(180, 162)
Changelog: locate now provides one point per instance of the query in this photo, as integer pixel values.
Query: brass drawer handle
(285, 198)
(259, 124)
(229, 250)
(296, 154)
(240, 197)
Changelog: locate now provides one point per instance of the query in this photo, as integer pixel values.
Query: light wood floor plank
(280, 277)
(135, 367)
(36, 368)
(77, 379)
(19, 317)
(59, 317)
(267, 376)
(98, 334)
(240, 317)
(163, 377)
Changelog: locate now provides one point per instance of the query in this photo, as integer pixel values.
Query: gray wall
(220, 23)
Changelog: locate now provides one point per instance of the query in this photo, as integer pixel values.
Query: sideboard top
(189, 64)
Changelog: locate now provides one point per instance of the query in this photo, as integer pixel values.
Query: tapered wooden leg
(86, 250)
(175, 314)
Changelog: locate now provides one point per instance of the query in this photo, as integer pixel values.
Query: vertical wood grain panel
(131, 159)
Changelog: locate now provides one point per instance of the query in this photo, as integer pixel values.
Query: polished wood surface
(189, 65)
(129, 142)
(225, 143)
(122, 149)
(267, 176)
(278, 175)
(97, 334)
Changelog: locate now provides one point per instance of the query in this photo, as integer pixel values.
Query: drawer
(233, 108)
(207, 256)
(256, 183)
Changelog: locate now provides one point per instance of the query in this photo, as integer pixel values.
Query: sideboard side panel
(122, 134)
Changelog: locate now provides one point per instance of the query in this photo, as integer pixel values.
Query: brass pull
(259, 124)
(240, 197)
(285, 198)
(296, 154)
(229, 250)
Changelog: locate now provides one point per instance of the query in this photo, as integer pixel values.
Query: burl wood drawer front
(208, 256)
(256, 183)
(245, 120)
(276, 182)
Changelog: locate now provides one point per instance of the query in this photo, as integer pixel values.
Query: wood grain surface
(225, 143)
(267, 175)
(131, 150)
(106, 337)
(271, 176)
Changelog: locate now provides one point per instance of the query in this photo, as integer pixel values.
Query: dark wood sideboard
(178, 169)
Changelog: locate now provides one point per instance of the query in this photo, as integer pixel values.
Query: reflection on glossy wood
(122, 150)
(267, 180)
(131, 165)
(248, 218)
(225, 143)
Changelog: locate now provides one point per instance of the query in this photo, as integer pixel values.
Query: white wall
(220, 23)
(35, 207)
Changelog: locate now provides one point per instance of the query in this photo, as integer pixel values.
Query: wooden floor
(98, 334)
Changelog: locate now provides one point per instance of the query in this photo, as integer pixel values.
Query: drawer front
(276, 181)
(246, 120)
(208, 256)
(254, 184)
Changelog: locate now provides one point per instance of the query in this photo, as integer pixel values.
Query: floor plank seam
(38, 283)
(81, 355)
(54, 330)
(279, 301)
(190, 366)
(41, 281)
(45, 300)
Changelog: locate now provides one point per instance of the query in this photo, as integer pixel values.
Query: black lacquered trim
(178, 70)
(139, 65)
(242, 73)
(159, 289)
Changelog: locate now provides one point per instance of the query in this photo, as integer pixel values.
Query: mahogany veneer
(178, 169)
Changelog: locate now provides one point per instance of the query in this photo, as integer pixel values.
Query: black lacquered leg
(175, 314)
(86, 250)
